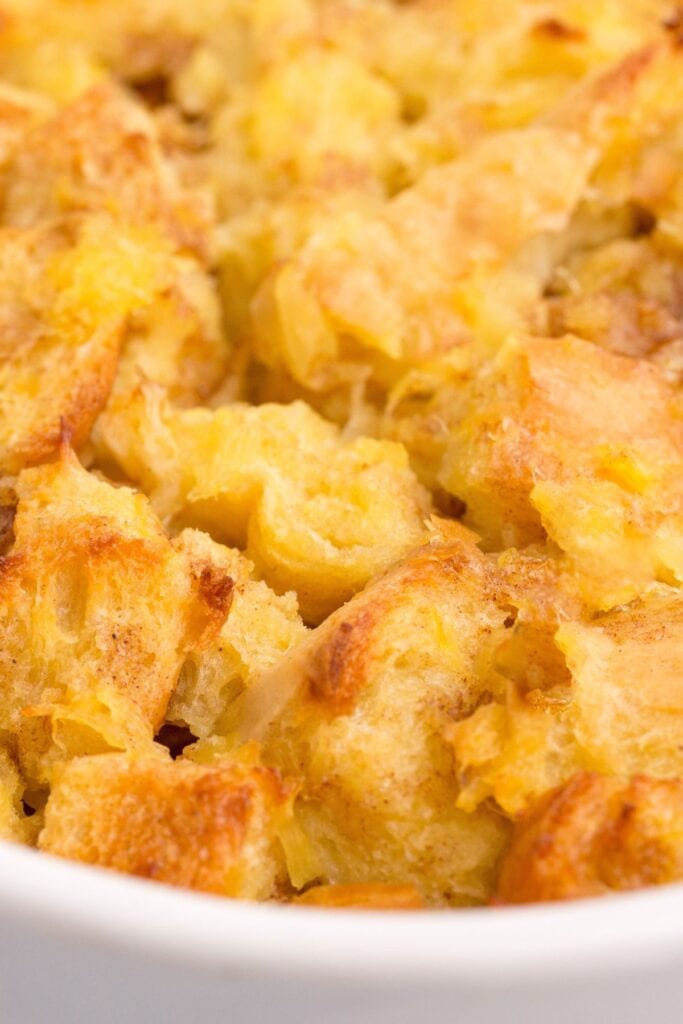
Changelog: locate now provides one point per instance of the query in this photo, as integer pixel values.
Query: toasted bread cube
(602, 693)
(593, 836)
(98, 154)
(358, 709)
(626, 706)
(638, 132)
(584, 446)
(98, 611)
(78, 281)
(396, 279)
(65, 293)
(213, 829)
(432, 660)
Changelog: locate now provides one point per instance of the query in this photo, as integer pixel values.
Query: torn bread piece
(567, 441)
(99, 610)
(66, 291)
(360, 709)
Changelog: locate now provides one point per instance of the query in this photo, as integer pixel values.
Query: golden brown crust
(8, 511)
(99, 611)
(336, 663)
(57, 368)
(77, 407)
(349, 646)
(553, 28)
(215, 589)
(362, 897)
(347, 649)
(302, 271)
(528, 470)
(336, 669)
(212, 828)
(593, 836)
(98, 154)
(361, 708)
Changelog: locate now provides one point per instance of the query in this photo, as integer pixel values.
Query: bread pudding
(341, 445)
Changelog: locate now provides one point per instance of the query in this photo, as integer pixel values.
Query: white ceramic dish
(84, 945)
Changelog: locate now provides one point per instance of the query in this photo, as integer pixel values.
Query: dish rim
(496, 946)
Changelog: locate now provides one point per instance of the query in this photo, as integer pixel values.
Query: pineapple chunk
(320, 113)
(317, 514)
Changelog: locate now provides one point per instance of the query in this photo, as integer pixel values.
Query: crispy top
(594, 836)
(212, 828)
(341, 444)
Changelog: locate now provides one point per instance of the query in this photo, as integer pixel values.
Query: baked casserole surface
(341, 445)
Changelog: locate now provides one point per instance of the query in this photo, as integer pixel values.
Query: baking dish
(82, 944)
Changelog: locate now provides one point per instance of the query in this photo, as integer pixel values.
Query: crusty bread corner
(595, 835)
(210, 828)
